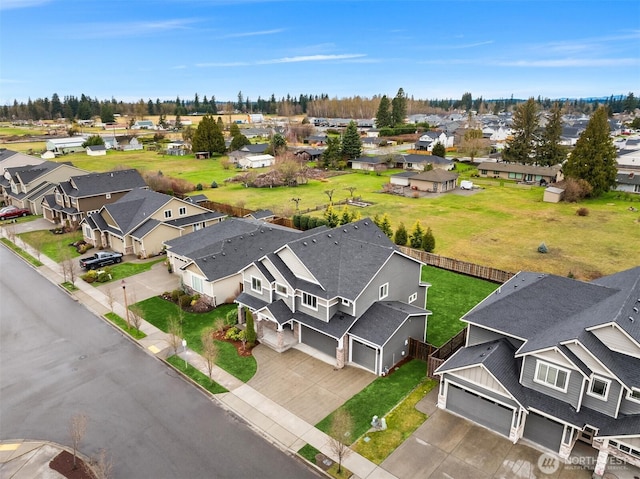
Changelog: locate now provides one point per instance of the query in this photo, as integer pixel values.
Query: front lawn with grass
(309, 453)
(51, 245)
(21, 252)
(124, 270)
(401, 423)
(450, 296)
(122, 324)
(157, 311)
(379, 397)
(196, 375)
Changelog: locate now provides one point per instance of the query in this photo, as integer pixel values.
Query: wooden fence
(464, 267)
(433, 356)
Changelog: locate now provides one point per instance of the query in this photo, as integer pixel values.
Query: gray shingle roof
(134, 207)
(382, 319)
(337, 326)
(435, 160)
(100, 183)
(437, 176)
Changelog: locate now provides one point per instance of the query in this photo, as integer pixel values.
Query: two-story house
(72, 200)
(554, 361)
(142, 220)
(347, 292)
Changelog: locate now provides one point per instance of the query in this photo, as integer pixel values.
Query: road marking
(153, 349)
(9, 447)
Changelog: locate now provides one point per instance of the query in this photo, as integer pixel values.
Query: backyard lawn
(450, 296)
(157, 311)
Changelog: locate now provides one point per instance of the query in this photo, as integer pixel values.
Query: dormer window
(281, 289)
(634, 394)
(167, 214)
(599, 388)
(256, 284)
(413, 297)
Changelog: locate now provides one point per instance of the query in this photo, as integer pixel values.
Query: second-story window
(256, 284)
(551, 376)
(167, 214)
(413, 297)
(281, 289)
(182, 211)
(384, 291)
(599, 388)
(310, 300)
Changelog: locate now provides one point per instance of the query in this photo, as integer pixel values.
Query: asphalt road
(57, 359)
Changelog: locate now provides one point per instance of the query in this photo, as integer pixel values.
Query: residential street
(57, 359)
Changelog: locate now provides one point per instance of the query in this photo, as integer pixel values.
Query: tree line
(85, 107)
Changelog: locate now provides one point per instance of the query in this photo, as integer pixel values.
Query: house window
(551, 376)
(196, 283)
(281, 289)
(599, 388)
(383, 292)
(484, 172)
(167, 214)
(182, 211)
(256, 284)
(310, 300)
(346, 302)
(413, 297)
(634, 395)
(108, 196)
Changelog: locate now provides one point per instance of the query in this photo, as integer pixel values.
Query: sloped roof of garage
(380, 322)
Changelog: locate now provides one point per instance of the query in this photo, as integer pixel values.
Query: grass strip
(21, 252)
(122, 324)
(401, 423)
(196, 375)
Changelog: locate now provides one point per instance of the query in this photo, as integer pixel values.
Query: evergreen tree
(250, 329)
(399, 108)
(331, 217)
(332, 155)
(594, 157)
(400, 237)
(521, 148)
(238, 141)
(208, 136)
(56, 106)
(385, 225)
(234, 130)
(220, 123)
(383, 116)
(93, 140)
(417, 233)
(351, 142)
(345, 217)
(278, 144)
(214, 105)
(106, 113)
(549, 151)
(428, 241)
(439, 150)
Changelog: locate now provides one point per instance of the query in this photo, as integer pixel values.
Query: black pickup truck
(100, 259)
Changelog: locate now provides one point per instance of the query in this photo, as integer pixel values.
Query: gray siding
(573, 390)
(629, 407)
(403, 276)
(265, 296)
(607, 407)
(321, 313)
(412, 328)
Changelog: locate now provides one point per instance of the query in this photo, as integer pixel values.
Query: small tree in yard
(417, 233)
(77, 428)
(400, 237)
(175, 333)
(339, 434)
(102, 465)
(428, 241)
(135, 311)
(439, 150)
(209, 350)
(250, 331)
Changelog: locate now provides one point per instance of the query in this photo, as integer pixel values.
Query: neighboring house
(28, 185)
(73, 199)
(256, 161)
(419, 162)
(96, 150)
(309, 154)
(520, 172)
(347, 293)
(554, 361)
(261, 215)
(197, 199)
(12, 159)
(248, 150)
(65, 145)
(177, 148)
(318, 140)
(434, 181)
(628, 160)
(427, 140)
(142, 220)
(143, 125)
(402, 179)
(629, 182)
(127, 143)
(369, 163)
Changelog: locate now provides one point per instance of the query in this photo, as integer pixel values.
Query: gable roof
(99, 183)
(433, 159)
(437, 176)
(255, 148)
(135, 207)
(520, 168)
(382, 320)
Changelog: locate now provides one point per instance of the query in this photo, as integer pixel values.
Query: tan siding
(479, 375)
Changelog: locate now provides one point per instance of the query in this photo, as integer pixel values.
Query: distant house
(419, 162)
(309, 154)
(143, 125)
(629, 182)
(261, 215)
(429, 139)
(96, 150)
(127, 143)
(177, 148)
(402, 179)
(142, 220)
(73, 199)
(369, 163)
(520, 172)
(434, 181)
(197, 199)
(317, 140)
(61, 146)
(256, 161)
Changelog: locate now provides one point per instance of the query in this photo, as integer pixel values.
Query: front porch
(277, 337)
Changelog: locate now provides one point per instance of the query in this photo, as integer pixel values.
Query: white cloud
(254, 34)
(311, 58)
(14, 4)
(131, 29)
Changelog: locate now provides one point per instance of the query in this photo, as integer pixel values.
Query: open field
(498, 226)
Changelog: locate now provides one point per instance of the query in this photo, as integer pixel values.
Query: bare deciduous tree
(68, 265)
(339, 434)
(329, 193)
(109, 293)
(77, 428)
(209, 350)
(102, 465)
(175, 333)
(351, 189)
(136, 313)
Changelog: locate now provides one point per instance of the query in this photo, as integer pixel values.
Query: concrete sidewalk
(277, 424)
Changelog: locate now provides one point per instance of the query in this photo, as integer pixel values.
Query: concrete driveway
(306, 386)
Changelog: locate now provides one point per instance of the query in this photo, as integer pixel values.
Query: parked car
(100, 259)
(9, 212)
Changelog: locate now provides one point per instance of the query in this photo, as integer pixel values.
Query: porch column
(601, 462)
(240, 314)
(340, 354)
(259, 328)
(280, 337)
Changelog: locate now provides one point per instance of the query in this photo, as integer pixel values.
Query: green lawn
(122, 324)
(124, 270)
(157, 311)
(196, 375)
(21, 252)
(379, 397)
(53, 246)
(450, 296)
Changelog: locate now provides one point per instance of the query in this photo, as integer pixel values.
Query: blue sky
(133, 49)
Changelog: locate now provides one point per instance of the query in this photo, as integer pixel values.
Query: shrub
(296, 221)
(199, 187)
(313, 221)
(231, 318)
(218, 324)
(175, 295)
(104, 276)
(543, 248)
(582, 212)
(576, 190)
(234, 334)
(184, 300)
(250, 332)
(214, 184)
(90, 276)
(304, 223)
